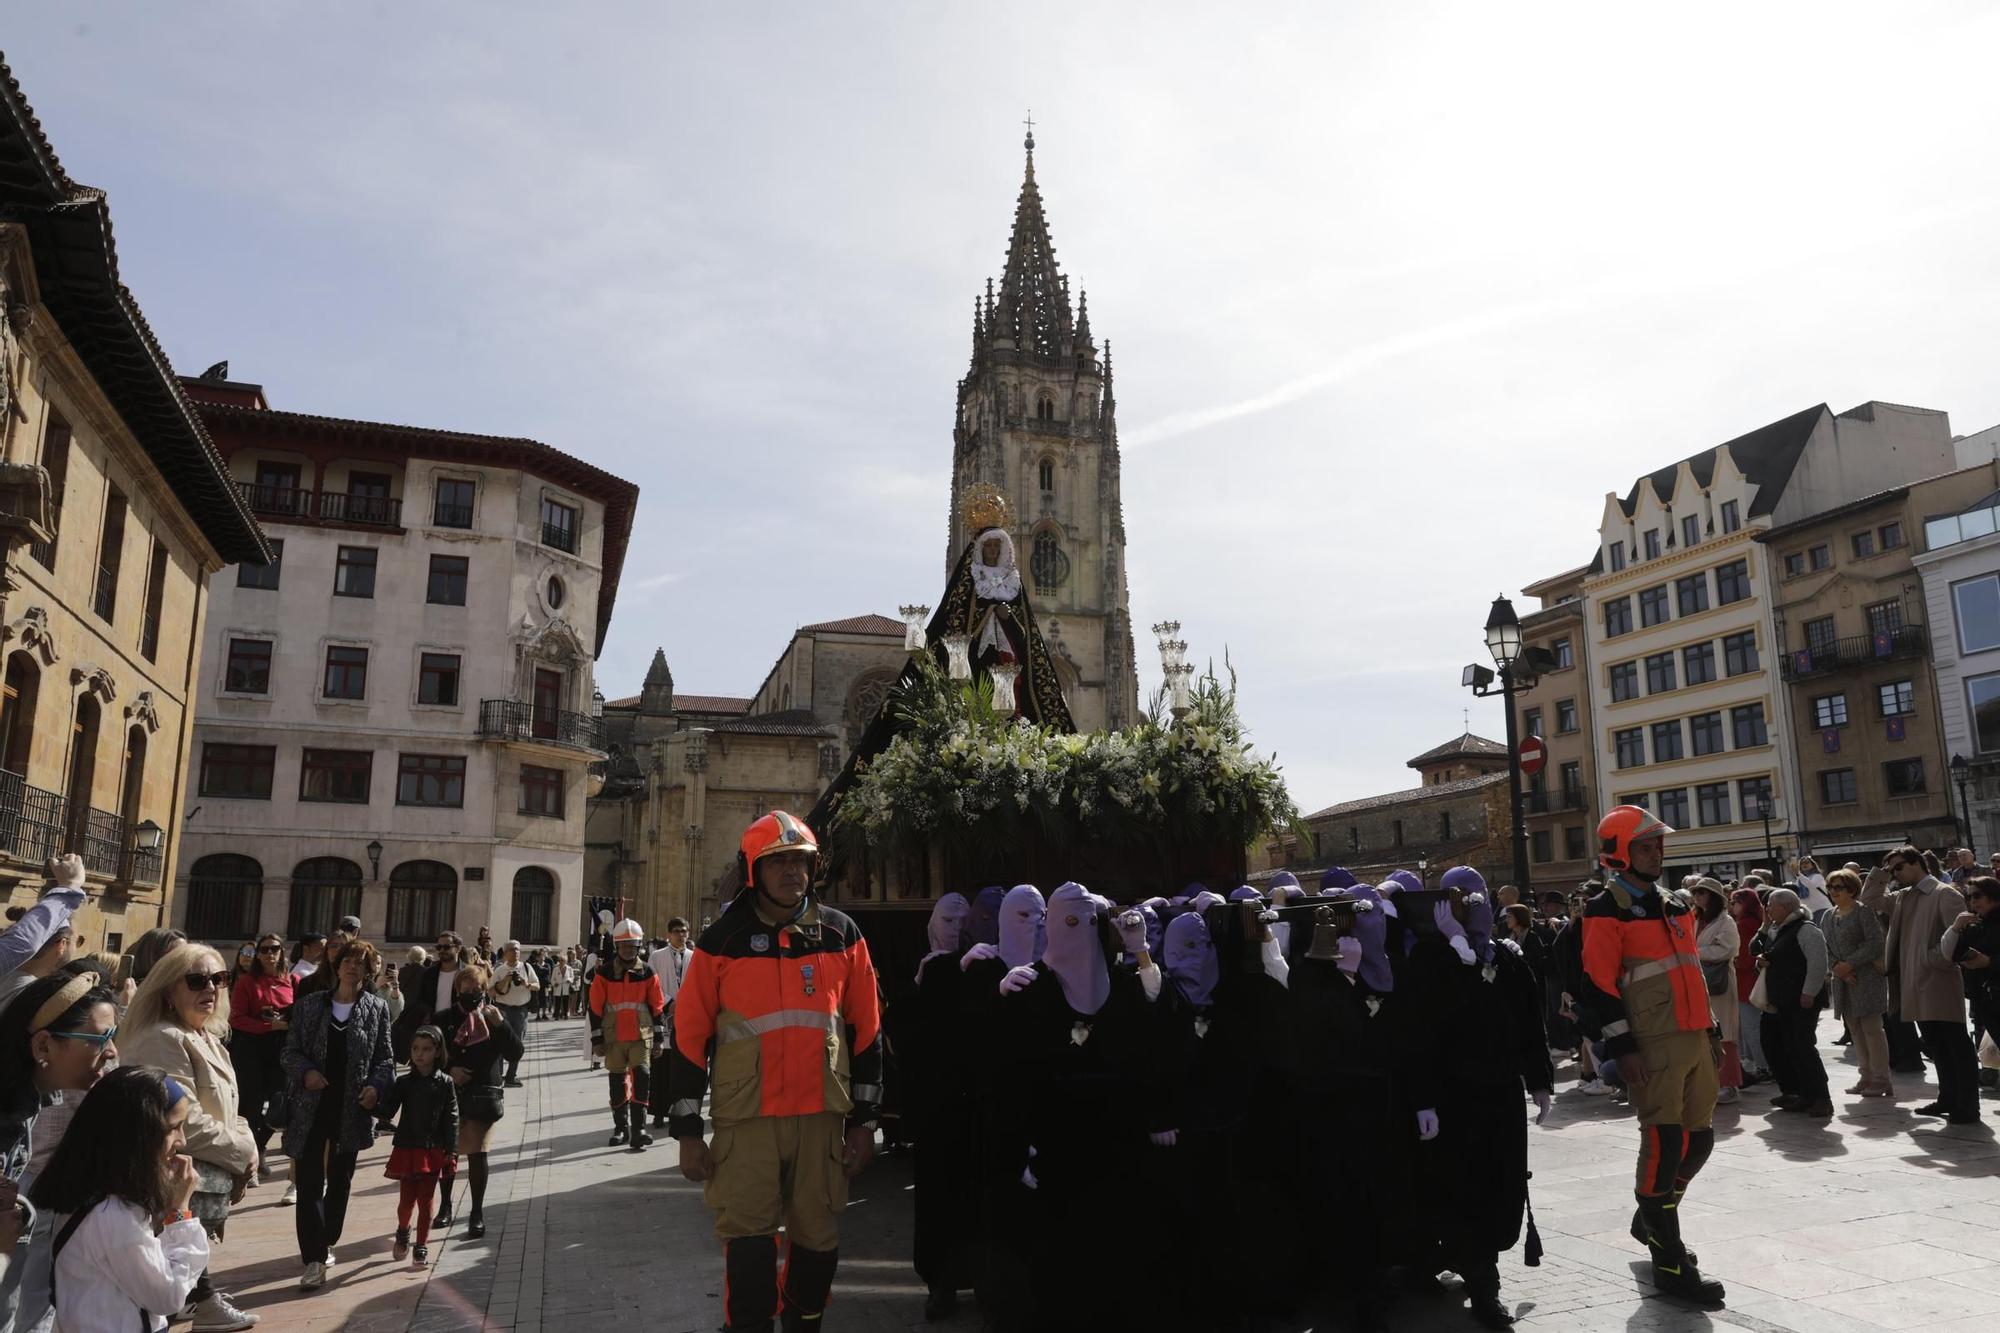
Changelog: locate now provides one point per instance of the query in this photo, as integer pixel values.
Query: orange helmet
(774, 834)
(1622, 826)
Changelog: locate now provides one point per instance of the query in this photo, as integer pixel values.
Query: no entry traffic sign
(1534, 754)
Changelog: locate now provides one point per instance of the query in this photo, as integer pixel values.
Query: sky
(1398, 291)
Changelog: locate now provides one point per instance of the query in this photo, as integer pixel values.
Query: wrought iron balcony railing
(297, 505)
(561, 537)
(1859, 651)
(31, 820)
(512, 720)
(100, 839)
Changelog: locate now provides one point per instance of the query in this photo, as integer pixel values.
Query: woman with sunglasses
(176, 1025)
(260, 1004)
(56, 1039)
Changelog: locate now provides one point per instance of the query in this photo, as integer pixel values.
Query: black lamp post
(374, 850)
(1960, 770)
(1517, 671)
(1772, 810)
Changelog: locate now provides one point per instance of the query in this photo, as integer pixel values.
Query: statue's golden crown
(984, 507)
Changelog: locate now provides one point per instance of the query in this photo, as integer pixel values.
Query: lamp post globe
(1503, 633)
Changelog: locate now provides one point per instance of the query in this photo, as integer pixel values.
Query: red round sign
(1534, 754)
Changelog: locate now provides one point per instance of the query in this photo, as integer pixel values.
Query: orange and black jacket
(775, 1020)
(625, 1007)
(1642, 974)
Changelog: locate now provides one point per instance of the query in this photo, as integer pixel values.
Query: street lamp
(148, 836)
(1960, 771)
(597, 703)
(1773, 809)
(1518, 669)
(374, 850)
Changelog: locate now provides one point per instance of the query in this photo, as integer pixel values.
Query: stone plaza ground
(1875, 1220)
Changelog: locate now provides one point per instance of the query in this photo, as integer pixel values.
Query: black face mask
(469, 1000)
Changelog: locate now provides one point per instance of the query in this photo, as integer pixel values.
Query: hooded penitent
(1403, 879)
(947, 928)
(1335, 879)
(1243, 893)
(1371, 927)
(1023, 932)
(1478, 909)
(1155, 927)
(1076, 948)
(983, 925)
(1284, 889)
(1191, 962)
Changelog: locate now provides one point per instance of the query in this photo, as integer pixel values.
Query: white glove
(1131, 932)
(1350, 955)
(1016, 979)
(1028, 1171)
(1166, 1138)
(1542, 1105)
(66, 871)
(1454, 934)
(1427, 1125)
(978, 953)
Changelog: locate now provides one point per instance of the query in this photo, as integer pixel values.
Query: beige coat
(216, 1131)
(1928, 987)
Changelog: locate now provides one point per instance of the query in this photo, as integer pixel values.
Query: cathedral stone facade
(1037, 418)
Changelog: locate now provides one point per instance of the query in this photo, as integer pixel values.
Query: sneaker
(218, 1314)
(313, 1278)
(401, 1249)
(329, 1259)
(290, 1196)
(1594, 1088)
(513, 1083)
(420, 1256)
(1724, 1096)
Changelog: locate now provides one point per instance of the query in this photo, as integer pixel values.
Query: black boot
(618, 1131)
(1639, 1227)
(641, 1139)
(1674, 1270)
(939, 1303)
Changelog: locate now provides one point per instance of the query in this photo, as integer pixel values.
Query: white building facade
(398, 718)
(1960, 567)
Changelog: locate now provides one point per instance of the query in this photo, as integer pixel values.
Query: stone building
(688, 773)
(1685, 689)
(397, 712)
(1958, 559)
(1855, 639)
(1037, 417)
(1560, 805)
(115, 510)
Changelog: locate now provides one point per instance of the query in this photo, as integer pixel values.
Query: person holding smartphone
(260, 1005)
(1973, 943)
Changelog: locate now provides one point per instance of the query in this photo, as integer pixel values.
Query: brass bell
(1326, 936)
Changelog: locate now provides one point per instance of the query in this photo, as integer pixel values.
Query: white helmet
(628, 929)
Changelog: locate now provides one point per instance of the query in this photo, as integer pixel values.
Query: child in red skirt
(426, 1136)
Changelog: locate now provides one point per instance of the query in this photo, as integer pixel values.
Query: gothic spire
(1083, 320)
(656, 695)
(1034, 309)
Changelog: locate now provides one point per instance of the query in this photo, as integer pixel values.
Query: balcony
(560, 536)
(101, 842)
(295, 505)
(31, 820)
(1859, 651)
(512, 720)
(445, 515)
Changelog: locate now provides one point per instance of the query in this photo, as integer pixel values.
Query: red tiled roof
(869, 624)
(693, 703)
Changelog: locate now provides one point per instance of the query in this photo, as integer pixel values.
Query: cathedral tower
(1036, 417)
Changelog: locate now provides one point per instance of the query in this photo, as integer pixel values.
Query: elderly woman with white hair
(1791, 951)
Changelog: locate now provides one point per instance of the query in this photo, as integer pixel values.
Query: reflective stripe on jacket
(1642, 966)
(624, 1008)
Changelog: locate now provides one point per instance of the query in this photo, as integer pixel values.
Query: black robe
(928, 1028)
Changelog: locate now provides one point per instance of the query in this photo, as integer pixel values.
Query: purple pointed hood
(983, 925)
(1191, 962)
(1023, 925)
(947, 926)
(1155, 927)
(1243, 893)
(1335, 879)
(1285, 879)
(1371, 927)
(1403, 879)
(1478, 909)
(1076, 948)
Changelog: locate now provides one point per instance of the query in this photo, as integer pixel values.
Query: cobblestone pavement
(1876, 1220)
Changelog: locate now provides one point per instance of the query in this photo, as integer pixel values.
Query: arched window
(1050, 565)
(1047, 474)
(1045, 408)
(324, 889)
(81, 791)
(17, 713)
(534, 906)
(423, 900)
(225, 895)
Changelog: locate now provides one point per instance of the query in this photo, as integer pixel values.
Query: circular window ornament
(557, 593)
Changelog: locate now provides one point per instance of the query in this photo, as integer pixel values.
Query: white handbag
(1760, 994)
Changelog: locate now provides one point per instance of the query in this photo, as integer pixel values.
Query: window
(55, 461)
(1904, 777)
(541, 791)
(1045, 408)
(1652, 541)
(1692, 593)
(1731, 520)
(1046, 475)
(1795, 564)
(1565, 655)
(1617, 617)
(1353, 839)
(1705, 733)
(354, 572)
(1667, 742)
(1396, 833)
(240, 772)
(336, 775)
(1531, 722)
(1617, 556)
(1820, 638)
(156, 593)
(249, 668)
(1572, 784)
(1864, 544)
(430, 779)
(1836, 786)
(1653, 606)
(1674, 807)
(1732, 582)
(1631, 747)
(1573, 843)
(1891, 535)
(534, 905)
(1830, 710)
(250, 574)
(423, 900)
(346, 673)
(437, 679)
(1746, 721)
(559, 525)
(1977, 605)
(1982, 698)
(324, 889)
(1698, 663)
(1643, 800)
(1660, 673)
(1885, 618)
(1541, 845)
(1739, 653)
(110, 555)
(451, 505)
(1820, 556)
(1898, 698)
(1753, 798)
(367, 498)
(1624, 681)
(1712, 803)
(1444, 826)
(1565, 716)
(277, 489)
(225, 895)
(556, 592)
(1690, 529)
(447, 582)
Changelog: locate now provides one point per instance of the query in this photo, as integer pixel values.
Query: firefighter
(626, 999)
(1643, 989)
(777, 1020)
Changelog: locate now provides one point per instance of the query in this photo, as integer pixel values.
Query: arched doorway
(534, 906)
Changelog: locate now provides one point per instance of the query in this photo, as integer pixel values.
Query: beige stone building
(1559, 803)
(115, 510)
